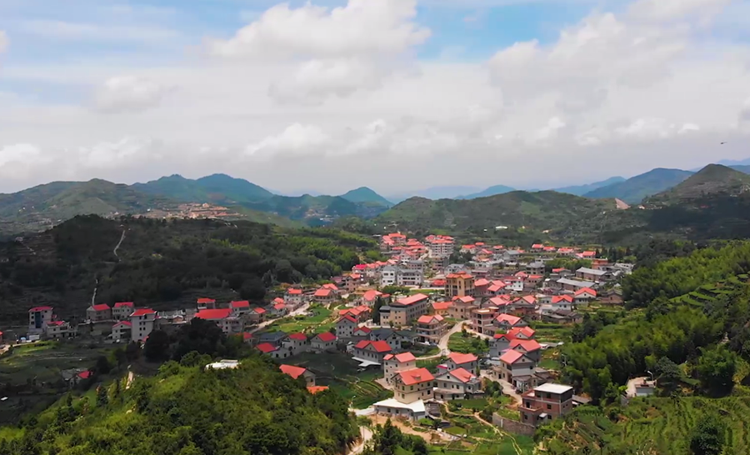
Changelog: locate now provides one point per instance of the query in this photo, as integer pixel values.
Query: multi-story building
(439, 246)
(58, 329)
(400, 276)
(373, 352)
(413, 385)
(458, 384)
(462, 307)
(142, 323)
(294, 296)
(228, 321)
(513, 364)
(430, 328)
(346, 326)
(587, 274)
(546, 402)
(99, 313)
(122, 310)
(122, 331)
(394, 363)
(459, 285)
(468, 362)
(403, 311)
(39, 317)
(295, 372)
(482, 321)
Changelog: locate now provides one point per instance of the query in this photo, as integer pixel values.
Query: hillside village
(397, 322)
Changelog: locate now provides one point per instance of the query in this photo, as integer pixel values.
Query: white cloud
(18, 161)
(676, 9)
(128, 94)
(76, 31)
(689, 127)
(4, 41)
(129, 151)
(295, 140)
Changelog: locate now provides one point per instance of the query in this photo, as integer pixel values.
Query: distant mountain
(580, 190)
(366, 195)
(731, 163)
(437, 192)
(743, 169)
(42, 206)
(217, 188)
(712, 181)
(491, 191)
(635, 189)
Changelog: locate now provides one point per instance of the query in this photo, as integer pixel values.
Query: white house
(394, 363)
(457, 384)
(142, 323)
(39, 317)
(457, 360)
(122, 330)
(325, 341)
(122, 310)
(346, 326)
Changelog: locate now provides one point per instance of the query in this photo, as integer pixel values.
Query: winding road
(443, 343)
(117, 247)
(297, 312)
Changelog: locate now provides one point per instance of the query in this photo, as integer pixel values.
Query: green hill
(217, 188)
(491, 191)
(366, 195)
(635, 189)
(189, 410)
(712, 181)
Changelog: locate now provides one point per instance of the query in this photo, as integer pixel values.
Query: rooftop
(213, 315)
(293, 371)
(411, 300)
(553, 388)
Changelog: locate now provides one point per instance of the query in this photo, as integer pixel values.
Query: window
(549, 406)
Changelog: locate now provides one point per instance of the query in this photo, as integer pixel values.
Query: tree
(376, 310)
(708, 436)
(203, 337)
(157, 346)
(101, 396)
(132, 351)
(102, 365)
(716, 368)
(668, 375)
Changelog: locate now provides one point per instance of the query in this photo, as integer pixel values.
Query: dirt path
(117, 247)
(131, 378)
(365, 436)
(296, 312)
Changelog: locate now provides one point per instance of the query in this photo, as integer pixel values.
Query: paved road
(297, 312)
(508, 388)
(443, 343)
(117, 247)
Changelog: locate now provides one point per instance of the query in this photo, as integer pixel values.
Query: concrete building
(99, 313)
(122, 311)
(403, 311)
(413, 385)
(459, 285)
(458, 384)
(546, 402)
(122, 331)
(142, 323)
(430, 328)
(395, 363)
(39, 317)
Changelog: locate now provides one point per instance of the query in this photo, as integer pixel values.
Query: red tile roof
(40, 308)
(279, 306)
(379, 346)
(101, 307)
(460, 359)
(466, 299)
(401, 358)
(326, 337)
(259, 310)
(372, 295)
(441, 305)
(323, 292)
(527, 345)
(240, 304)
(56, 323)
(438, 283)
(511, 356)
(294, 291)
(428, 318)
(417, 376)
(481, 282)
(292, 370)
(84, 374)
(125, 323)
(204, 301)
(330, 286)
(213, 315)
(586, 290)
(347, 317)
(299, 336)
(462, 275)
(499, 301)
(562, 298)
(266, 348)
(247, 335)
(143, 312)
(278, 300)
(363, 329)
(124, 304)
(528, 332)
(317, 388)
(509, 318)
(462, 375)
(412, 299)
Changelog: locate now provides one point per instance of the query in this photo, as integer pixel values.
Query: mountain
(745, 169)
(580, 190)
(42, 206)
(732, 163)
(436, 192)
(366, 195)
(712, 181)
(217, 188)
(635, 189)
(538, 211)
(491, 191)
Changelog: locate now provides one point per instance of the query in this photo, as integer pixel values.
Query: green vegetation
(184, 410)
(366, 195)
(217, 188)
(303, 323)
(466, 343)
(712, 180)
(635, 189)
(165, 264)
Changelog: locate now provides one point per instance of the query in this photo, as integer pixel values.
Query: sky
(397, 95)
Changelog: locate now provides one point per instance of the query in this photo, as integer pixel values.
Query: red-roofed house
(206, 303)
(324, 296)
(459, 285)
(530, 348)
(403, 311)
(38, 319)
(346, 325)
(371, 351)
(480, 286)
(441, 308)
(274, 352)
(585, 295)
(99, 313)
(370, 297)
(142, 322)
(361, 313)
(296, 343)
(121, 311)
(278, 307)
(317, 389)
(458, 360)
(513, 364)
(223, 317)
(508, 321)
(413, 385)
(59, 329)
(462, 307)
(256, 315)
(122, 331)
(361, 332)
(295, 372)
(430, 328)
(325, 341)
(394, 363)
(458, 384)
(294, 296)
(239, 308)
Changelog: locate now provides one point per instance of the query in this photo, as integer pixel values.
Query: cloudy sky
(393, 94)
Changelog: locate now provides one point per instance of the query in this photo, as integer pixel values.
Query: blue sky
(292, 97)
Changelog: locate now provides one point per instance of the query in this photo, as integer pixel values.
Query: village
(406, 337)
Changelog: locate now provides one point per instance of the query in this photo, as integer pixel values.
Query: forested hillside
(187, 411)
(165, 264)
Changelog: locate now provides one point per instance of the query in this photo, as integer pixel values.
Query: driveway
(443, 343)
(297, 312)
(508, 388)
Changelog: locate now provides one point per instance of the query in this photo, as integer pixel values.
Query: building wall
(411, 393)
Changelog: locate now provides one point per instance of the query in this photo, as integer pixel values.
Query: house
(274, 352)
(538, 377)
(585, 295)
(587, 274)
(370, 352)
(480, 286)
(394, 363)
(58, 330)
(458, 384)
(295, 372)
(482, 320)
(441, 308)
(502, 341)
(401, 276)
(322, 342)
(462, 307)
(403, 311)
(255, 315)
(361, 313)
(317, 389)
(430, 328)
(296, 343)
(533, 281)
(515, 283)
(387, 335)
(370, 297)
(496, 288)
(39, 317)
(361, 332)
(122, 331)
(561, 302)
(121, 311)
(206, 303)
(611, 297)
(530, 348)
(514, 363)
(274, 338)
(223, 317)
(573, 285)
(294, 296)
(412, 385)
(562, 317)
(239, 308)
(324, 296)
(142, 323)
(458, 360)
(537, 247)
(277, 308)
(546, 402)
(459, 285)
(346, 326)
(535, 268)
(508, 321)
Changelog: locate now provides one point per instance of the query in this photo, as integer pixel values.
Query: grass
(42, 362)
(550, 359)
(339, 372)
(430, 364)
(467, 344)
(317, 323)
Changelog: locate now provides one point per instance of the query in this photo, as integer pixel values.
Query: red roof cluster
(379, 346)
(213, 315)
